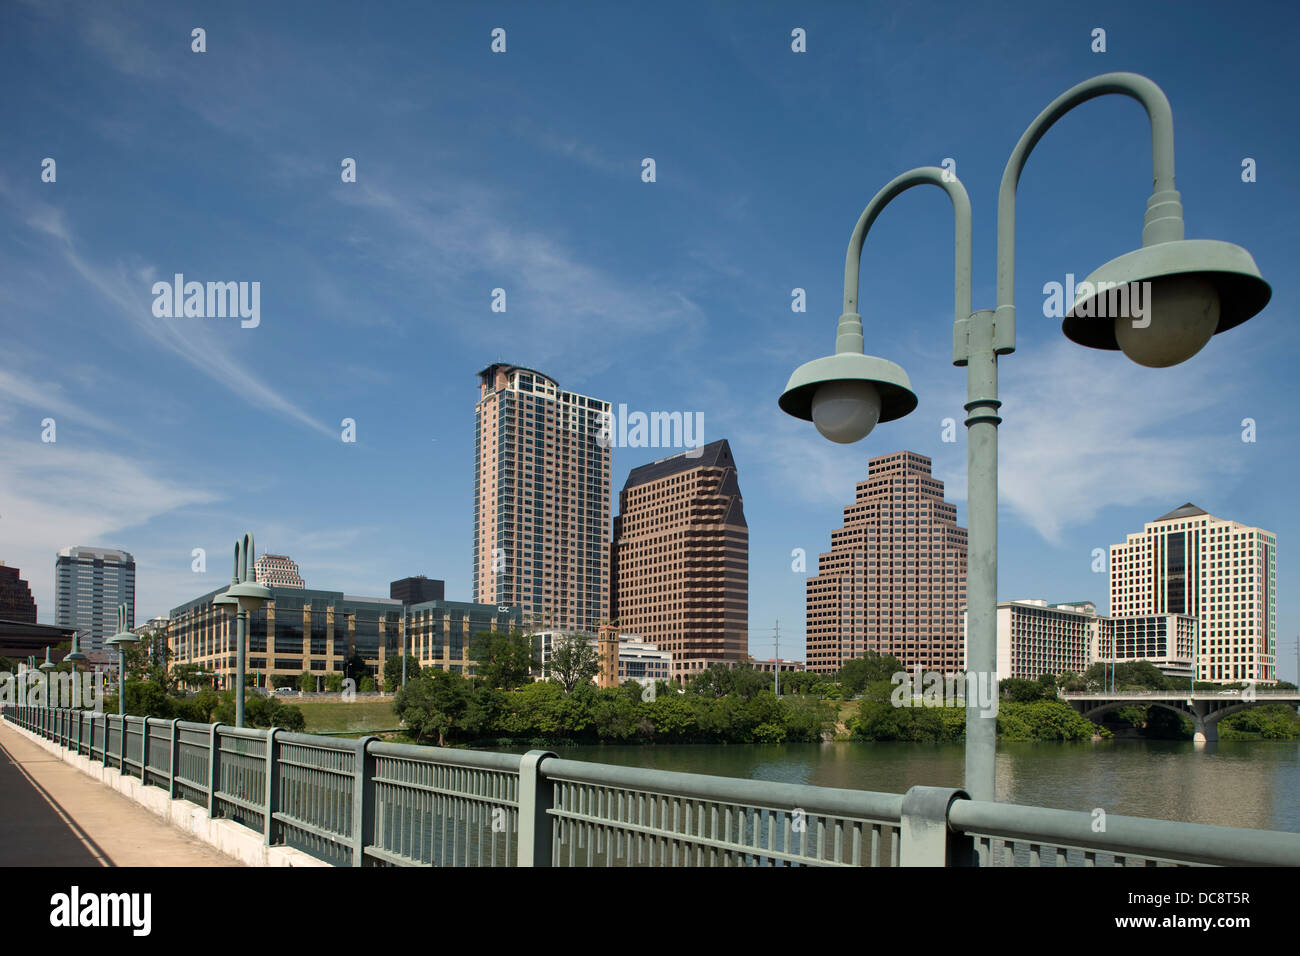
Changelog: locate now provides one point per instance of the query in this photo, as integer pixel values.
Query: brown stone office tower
(679, 567)
(541, 500)
(894, 581)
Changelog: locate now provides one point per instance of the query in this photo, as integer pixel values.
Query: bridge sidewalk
(51, 814)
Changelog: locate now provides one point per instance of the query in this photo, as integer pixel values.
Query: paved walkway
(51, 814)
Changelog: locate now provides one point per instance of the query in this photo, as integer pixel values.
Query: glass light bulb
(1180, 315)
(846, 412)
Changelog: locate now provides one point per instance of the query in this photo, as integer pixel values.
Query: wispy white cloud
(556, 303)
(55, 495)
(48, 398)
(1085, 430)
(127, 289)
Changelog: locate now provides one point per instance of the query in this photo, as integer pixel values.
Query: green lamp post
(48, 666)
(1197, 288)
(74, 659)
(248, 596)
(121, 640)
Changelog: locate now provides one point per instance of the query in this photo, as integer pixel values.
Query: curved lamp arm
(1164, 217)
(851, 323)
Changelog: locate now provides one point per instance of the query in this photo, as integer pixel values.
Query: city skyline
(376, 296)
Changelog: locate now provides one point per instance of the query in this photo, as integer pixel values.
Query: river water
(1233, 783)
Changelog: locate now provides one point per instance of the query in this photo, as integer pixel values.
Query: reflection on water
(1238, 784)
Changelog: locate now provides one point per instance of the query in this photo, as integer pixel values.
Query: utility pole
(776, 657)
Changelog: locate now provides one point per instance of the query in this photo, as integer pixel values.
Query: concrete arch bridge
(1205, 708)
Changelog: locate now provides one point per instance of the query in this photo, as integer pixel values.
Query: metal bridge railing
(369, 803)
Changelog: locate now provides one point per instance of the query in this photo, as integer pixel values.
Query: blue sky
(522, 171)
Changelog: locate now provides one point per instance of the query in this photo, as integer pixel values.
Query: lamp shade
(1226, 269)
(249, 596)
(889, 380)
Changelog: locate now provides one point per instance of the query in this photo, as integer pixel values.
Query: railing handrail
(862, 804)
(312, 740)
(1179, 694)
(1124, 835)
(247, 733)
(476, 759)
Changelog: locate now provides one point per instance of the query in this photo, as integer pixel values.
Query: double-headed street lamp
(48, 666)
(247, 596)
(73, 658)
(1190, 290)
(120, 640)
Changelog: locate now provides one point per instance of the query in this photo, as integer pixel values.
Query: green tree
(147, 659)
(333, 682)
(306, 682)
(574, 660)
(432, 704)
(743, 680)
(367, 685)
(147, 699)
(856, 674)
(1129, 675)
(1022, 691)
(201, 708)
(260, 712)
(393, 671)
(503, 660)
(191, 675)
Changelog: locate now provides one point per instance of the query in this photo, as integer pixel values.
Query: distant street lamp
(1198, 288)
(121, 640)
(73, 658)
(248, 596)
(48, 666)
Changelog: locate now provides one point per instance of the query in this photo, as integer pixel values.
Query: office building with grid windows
(299, 629)
(1222, 573)
(894, 581)
(680, 559)
(89, 584)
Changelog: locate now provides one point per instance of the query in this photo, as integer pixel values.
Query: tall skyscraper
(680, 568)
(894, 581)
(89, 584)
(1222, 572)
(16, 601)
(277, 570)
(541, 499)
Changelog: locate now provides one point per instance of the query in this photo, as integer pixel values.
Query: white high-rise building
(1223, 573)
(1036, 638)
(277, 570)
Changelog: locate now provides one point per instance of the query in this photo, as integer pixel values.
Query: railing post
(272, 786)
(925, 837)
(536, 796)
(363, 799)
(214, 765)
(171, 763)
